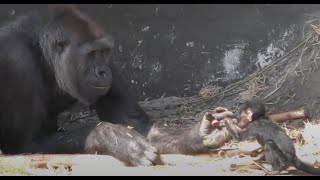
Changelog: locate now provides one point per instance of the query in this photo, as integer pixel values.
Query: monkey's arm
(241, 134)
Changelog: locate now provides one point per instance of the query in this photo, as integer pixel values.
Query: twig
(278, 85)
(239, 83)
(305, 24)
(261, 167)
(275, 90)
(271, 103)
(290, 70)
(315, 61)
(289, 99)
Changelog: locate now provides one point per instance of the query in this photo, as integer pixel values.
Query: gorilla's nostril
(102, 73)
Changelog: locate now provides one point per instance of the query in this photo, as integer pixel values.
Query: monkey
(278, 148)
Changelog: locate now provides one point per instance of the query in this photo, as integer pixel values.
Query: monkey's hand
(233, 128)
(212, 128)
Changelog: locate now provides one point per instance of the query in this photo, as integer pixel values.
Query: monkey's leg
(275, 157)
(260, 157)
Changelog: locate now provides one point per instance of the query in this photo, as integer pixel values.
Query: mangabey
(278, 148)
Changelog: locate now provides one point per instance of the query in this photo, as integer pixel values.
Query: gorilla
(49, 61)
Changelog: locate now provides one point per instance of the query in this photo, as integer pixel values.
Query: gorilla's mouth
(99, 87)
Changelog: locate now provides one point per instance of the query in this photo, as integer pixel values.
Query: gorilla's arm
(102, 138)
(203, 137)
(115, 138)
(173, 141)
(119, 107)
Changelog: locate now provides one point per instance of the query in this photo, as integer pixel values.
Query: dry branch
(302, 113)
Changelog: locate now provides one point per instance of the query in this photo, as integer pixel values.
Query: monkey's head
(78, 52)
(251, 111)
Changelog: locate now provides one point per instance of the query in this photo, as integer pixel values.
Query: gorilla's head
(78, 52)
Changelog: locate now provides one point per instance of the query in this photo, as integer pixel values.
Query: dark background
(175, 50)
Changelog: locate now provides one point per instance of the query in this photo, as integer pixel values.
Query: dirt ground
(222, 163)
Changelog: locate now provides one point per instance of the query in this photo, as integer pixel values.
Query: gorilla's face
(86, 69)
(79, 56)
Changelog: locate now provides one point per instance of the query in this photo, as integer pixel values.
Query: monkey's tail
(300, 165)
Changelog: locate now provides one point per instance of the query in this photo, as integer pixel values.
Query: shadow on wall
(175, 50)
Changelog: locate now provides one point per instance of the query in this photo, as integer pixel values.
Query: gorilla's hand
(212, 128)
(233, 129)
(123, 143)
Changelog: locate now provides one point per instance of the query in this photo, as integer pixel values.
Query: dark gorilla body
(48, 62)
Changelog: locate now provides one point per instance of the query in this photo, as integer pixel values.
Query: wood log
(301, 113)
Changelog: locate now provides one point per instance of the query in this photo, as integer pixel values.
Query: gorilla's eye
(99, 51)
(93, 52)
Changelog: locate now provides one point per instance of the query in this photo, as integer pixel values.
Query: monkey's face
(79, 55)
(245, 118)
